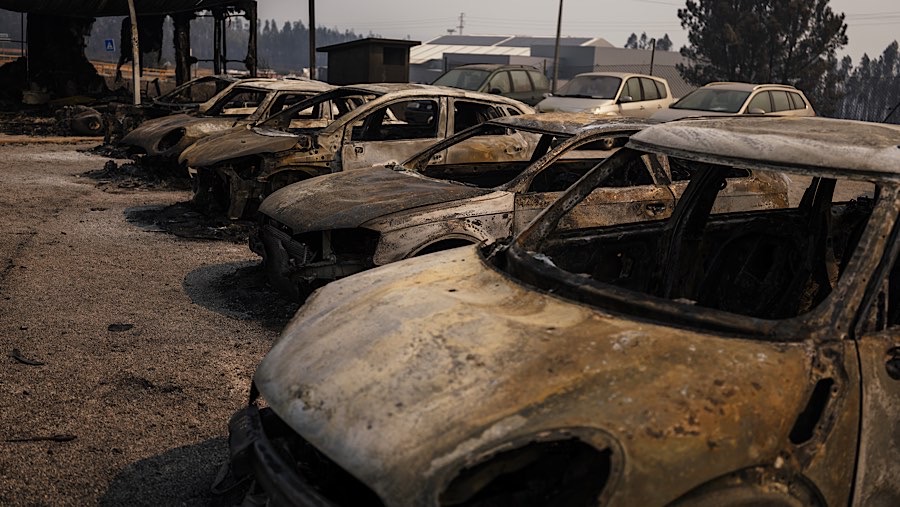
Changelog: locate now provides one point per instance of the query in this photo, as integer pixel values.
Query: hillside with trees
(283, 49)
(790, 42)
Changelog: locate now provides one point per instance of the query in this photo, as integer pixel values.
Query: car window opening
(476, 160)
(730, 250)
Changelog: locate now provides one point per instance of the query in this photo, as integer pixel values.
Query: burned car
(478, 186)
(119, 119)
(188, 96)
(708, 358)
(242, 103)
(241, 168)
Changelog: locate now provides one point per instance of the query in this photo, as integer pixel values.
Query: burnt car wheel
(88, 124)
(210, 194)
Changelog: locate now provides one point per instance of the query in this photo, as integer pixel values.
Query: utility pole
(135, 54)
(462, 15)
(556, 49)
(312, 39)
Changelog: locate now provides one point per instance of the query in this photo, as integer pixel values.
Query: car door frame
(350, 149)
(527, 205)
(878, 356)
(636, 108)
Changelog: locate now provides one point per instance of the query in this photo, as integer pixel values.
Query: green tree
(761, 41)
(644, 42)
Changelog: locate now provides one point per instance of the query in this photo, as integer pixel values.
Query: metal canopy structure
(181, 12)
(100, 8)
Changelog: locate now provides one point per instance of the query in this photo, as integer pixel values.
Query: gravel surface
(141, 343)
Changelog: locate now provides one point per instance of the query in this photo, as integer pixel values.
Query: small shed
(369, 61)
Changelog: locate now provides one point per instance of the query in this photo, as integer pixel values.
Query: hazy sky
(872, 24)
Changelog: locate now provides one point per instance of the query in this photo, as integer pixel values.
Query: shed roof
(367, 41)
(506, 45)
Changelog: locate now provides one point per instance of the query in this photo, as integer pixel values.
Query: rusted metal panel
(508, 362)
(239, 143)
(349, 199)
(412, 215)
(829, 146)
(169, 136)
(411, 375)
(483, 219)
(880, 439)
(332, 149)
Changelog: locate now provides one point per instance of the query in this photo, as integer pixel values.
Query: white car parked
(726, 98)
(610, 94)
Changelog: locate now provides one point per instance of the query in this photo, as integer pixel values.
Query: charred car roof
(568, 124)
(794, 144)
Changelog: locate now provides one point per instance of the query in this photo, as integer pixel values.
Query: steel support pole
(217, 42)
(252, 15)
(182, 43)
(556, 49)
(312, 39)
(135, 54)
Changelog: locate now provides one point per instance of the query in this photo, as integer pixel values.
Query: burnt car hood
(236, 143)
(402, 373)
(351, 198)
(150, 132)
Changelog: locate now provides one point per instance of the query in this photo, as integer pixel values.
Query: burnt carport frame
(181, 12)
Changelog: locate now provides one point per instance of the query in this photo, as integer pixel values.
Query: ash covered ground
(130, 326)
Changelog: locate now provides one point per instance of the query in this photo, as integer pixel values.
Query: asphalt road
(146, 341)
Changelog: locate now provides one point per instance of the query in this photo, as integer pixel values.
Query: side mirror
(756, 110)
(495, 91)
(624, 99)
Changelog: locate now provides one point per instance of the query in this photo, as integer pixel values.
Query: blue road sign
(109, 44)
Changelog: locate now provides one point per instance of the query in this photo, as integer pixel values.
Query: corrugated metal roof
(525, 42)
(428, 52)
(469, 40)
(512, 45)
(97, 8)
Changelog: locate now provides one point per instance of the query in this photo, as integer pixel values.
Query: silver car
(724, 98)
(610, 94)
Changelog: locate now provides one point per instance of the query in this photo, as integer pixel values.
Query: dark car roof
(495, 66)
(794, 144)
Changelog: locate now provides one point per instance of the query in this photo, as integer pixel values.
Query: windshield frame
(564, 91)
(420, 161)
(485, 75)
(270, 121)
(521, 259)
(712, 92)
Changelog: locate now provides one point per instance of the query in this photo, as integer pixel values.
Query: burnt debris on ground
(136, 174)
(186, 220)
(239, 290)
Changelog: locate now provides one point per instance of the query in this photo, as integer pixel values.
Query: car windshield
(741, 241)
(467, 79)
(199, 90)
(713, 100)
(594, 87)
(240, 101)
(493, 155)
(298, 115)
